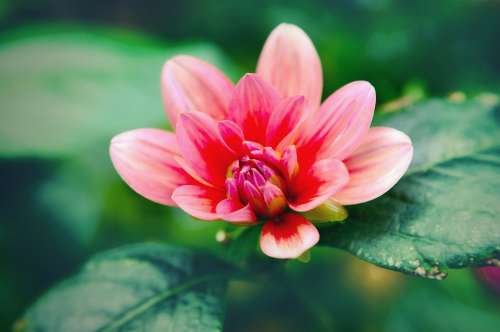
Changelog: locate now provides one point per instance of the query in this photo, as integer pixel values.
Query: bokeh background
(61, 201)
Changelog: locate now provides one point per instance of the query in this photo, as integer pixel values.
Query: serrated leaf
(444, 212)
(64, 88)
(144, 287)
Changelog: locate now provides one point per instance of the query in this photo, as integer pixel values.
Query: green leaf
(65, 92)
(444, 212)
(70, 209)
(144, 287)
(64, 88)
(424, 310)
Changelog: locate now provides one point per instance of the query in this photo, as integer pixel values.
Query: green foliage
(60, 196)
(391, 47)
(145, 287)
(438, 313)
(64, 88)
(66, 91)
(444, 212)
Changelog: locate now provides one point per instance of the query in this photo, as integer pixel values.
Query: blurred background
(74, 73)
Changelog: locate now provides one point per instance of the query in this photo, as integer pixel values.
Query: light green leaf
(444, 212)
(144, 287)
(64, 88)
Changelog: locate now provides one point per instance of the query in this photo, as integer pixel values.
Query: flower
(490, 277)
(265, 151)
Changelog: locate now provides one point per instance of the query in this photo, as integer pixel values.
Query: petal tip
(376, 166)
(182, 59)
(250, 78)
(288, 237)
(288, 28)
(290, 62)
(144, 159)
(189, 83)
(363, 86)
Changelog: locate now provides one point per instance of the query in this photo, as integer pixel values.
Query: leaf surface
(143, 287)
(444, 211)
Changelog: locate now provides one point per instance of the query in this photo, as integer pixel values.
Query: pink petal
(284, 120)
(233, 211)
(190, 84)
(291, 64)
(232, 189)
(288, 237)
(289, 162)
(198, 200)
(338, 128)
(490, 276)
(232, 135)
(376, 165)
(254, 197)
(187, 168)
(203, 148)
(251, 106)
(316, 184)
(145, 159)
(274, 198)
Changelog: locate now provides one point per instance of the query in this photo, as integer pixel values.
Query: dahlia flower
(265, 151)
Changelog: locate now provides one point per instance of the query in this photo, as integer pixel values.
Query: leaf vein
(153, 301)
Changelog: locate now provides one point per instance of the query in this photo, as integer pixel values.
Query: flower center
(254, 179)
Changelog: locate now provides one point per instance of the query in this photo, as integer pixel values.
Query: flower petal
(291, 64)
(284, 120)
(182, 163)
(274, 198)
(288, 237)
(340, 124)
(289, 164)
(232, 135)
(145, 159)
(251, 106)
(316, 184)
(233, 211)
(203, 148)
(254, 197)
(190, 84)
(376, 165)
(198, 200)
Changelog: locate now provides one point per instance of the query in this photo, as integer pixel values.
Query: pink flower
(490, 277)
(265, 151)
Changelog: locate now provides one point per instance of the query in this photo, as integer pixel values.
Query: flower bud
(257, 183)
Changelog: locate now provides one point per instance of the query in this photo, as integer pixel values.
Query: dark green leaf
(144, 287)
(444, 212)
(69, 210)
(65, 88)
